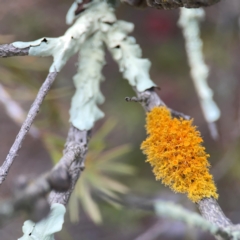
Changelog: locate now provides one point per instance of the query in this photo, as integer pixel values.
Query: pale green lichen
(45, 229)
(128, 55)
(176, 212)
(189, 21)
(95, 25)
(84, 111)
(71, 12)
(192, 219)
(62, 48)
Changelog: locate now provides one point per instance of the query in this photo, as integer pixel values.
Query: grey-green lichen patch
(235, 233)
(96, 24)
(62, 48)
(128, 55)
(71, 12)
(84, 111)
(176, 212)
(45, 229)
(189, 21)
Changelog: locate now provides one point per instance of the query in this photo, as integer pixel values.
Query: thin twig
(171, 4)
(15, 111)
(176, 114)
(150, 99)
(26, 125)
(8, 50)
(211, 211)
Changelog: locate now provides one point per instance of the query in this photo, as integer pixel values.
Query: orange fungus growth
(173, 148)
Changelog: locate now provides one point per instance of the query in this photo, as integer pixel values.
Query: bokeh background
(121, 132)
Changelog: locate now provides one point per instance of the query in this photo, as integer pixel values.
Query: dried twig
(177, 114)
(26, 125)
(211, 211)
(171, 4)
(8, 50)
(15, 111)
(150, 99)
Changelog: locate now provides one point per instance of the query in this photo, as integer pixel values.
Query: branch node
(135, 99)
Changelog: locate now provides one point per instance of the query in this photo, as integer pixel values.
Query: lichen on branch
(84, 111)
(63, 47)
(127, 53)
(173, 148)
(189, 21)
(45, 229)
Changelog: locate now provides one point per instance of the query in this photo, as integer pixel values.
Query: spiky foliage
(173, 148)
(99, 177)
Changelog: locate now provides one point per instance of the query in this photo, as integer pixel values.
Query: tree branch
(26, 125)
(211, 211)
(8, 50)
(31, 198)
(171, 4)
(76, 143)
(208, 207)
(150, 99)
(15, 111)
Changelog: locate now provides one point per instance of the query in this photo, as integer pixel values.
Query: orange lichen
(173, 148)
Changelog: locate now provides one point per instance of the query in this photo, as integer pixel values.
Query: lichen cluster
(173, 148)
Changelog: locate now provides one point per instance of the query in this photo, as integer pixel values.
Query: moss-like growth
(173, 148)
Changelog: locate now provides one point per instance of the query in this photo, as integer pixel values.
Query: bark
(171, 4)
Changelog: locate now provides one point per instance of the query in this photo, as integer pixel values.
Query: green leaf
(89, 205)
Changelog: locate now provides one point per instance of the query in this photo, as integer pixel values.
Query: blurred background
(115, 164)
